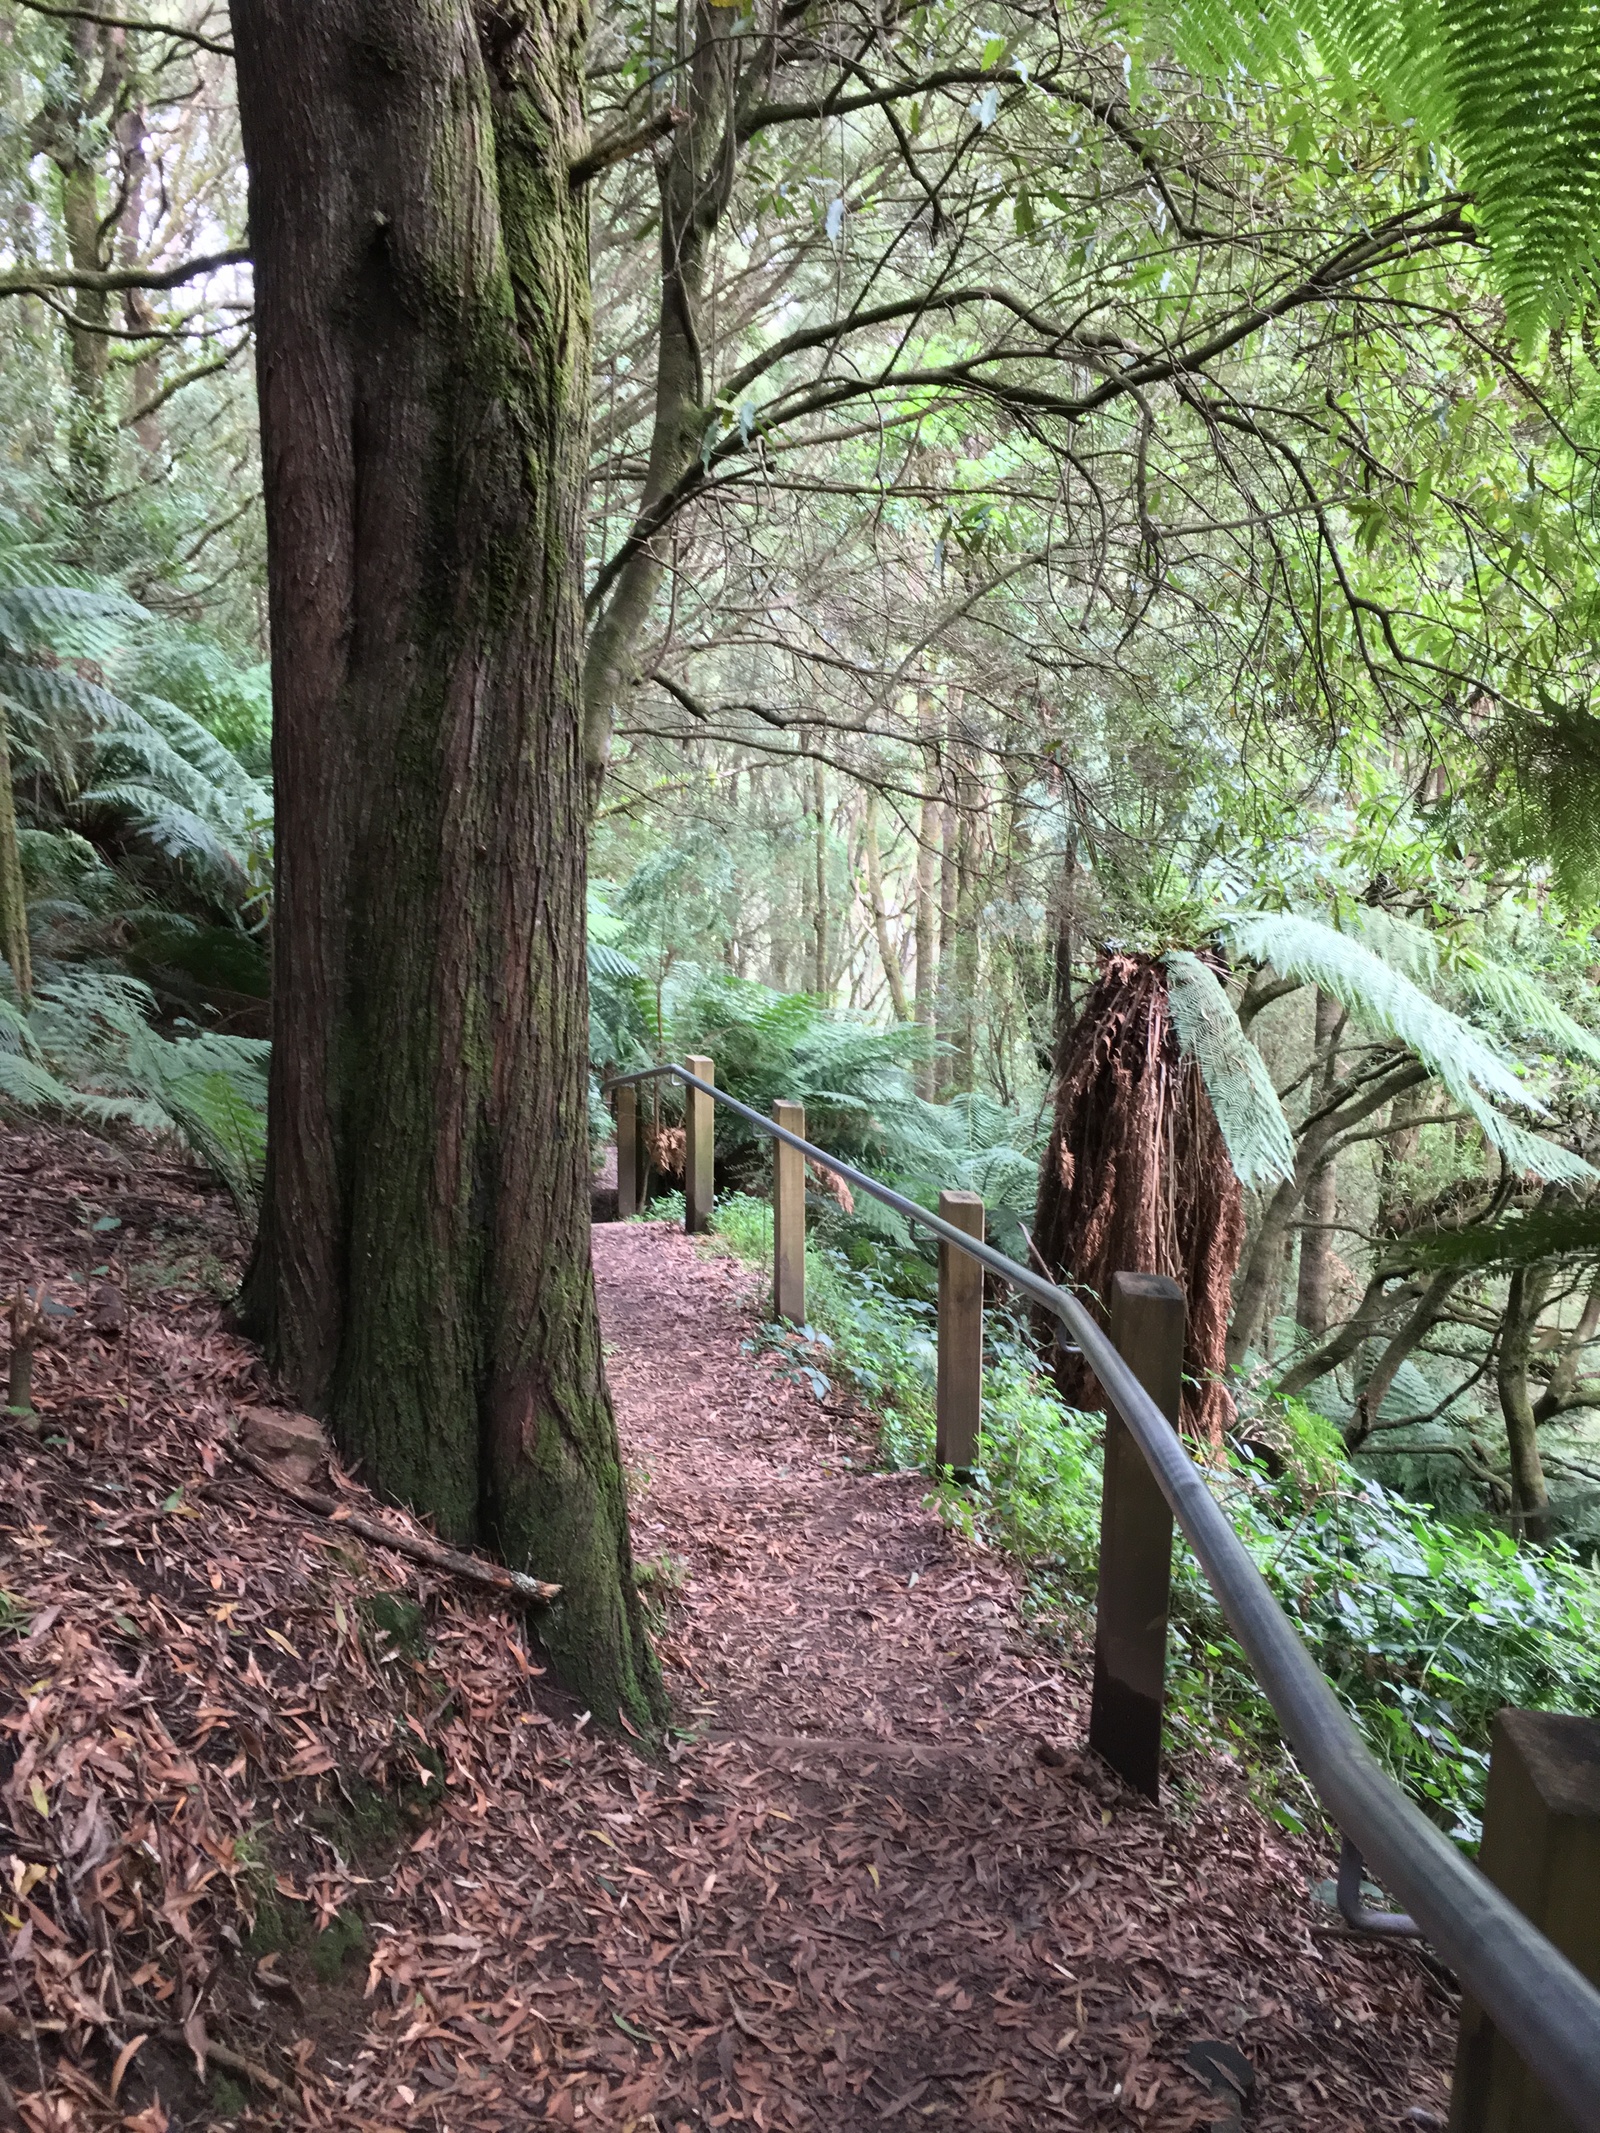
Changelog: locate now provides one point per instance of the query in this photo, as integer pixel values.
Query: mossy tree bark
(421, 1277)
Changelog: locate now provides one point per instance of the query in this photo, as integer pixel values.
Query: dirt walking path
(915, 1916)
(850, 1896)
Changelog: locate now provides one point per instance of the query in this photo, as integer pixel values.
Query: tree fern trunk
(1136, 1179)
(421, 1275)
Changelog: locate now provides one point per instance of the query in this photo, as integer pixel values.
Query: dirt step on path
(914, 1919)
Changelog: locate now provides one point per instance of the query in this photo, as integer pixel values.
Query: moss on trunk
(422, 1274)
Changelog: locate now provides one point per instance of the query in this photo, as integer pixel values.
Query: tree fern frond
(37, 692)
(1386, 1002)
(1249, 1115)
(607, 962)
(1382, 998)
(1514, 92)
(1529, 1239)
(32, 1087)
(177, 832)
(1529, 1153)
(1513, 994)
(200, 748)
(42, 614)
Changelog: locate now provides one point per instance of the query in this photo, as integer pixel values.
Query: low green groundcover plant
(1424, 1629)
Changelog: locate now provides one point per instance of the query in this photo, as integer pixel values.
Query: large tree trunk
(421, 1275)
(1136, 1179)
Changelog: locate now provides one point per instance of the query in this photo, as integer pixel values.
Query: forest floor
(296, 1828)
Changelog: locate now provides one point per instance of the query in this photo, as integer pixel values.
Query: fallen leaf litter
(855, 1897)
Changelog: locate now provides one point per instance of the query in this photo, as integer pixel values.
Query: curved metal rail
(1540, 2003)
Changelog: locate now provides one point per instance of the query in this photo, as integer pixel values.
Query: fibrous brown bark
(1136, 1179)
(421, 1276)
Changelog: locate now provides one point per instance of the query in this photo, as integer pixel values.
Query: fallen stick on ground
(236, 2063)
(493, 1577)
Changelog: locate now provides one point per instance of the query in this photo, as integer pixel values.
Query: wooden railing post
(789, 1218)
(1130, 1635)
(628, 1165)
(959, 1399)
(699, 1155)
(1541, 1848)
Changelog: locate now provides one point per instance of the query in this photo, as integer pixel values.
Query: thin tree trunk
(421, 1276)
(1530, 1498)
(968, 899)
(138, 313)
(1418, 1325)
(13, 902)
(1263, 1262)
(819, 909)
(949, 906)
(1314, 1287)
(887, 952)
(927, 993)
(696, 177)
(63, 130)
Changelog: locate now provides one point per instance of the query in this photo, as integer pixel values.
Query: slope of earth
(295, 1829)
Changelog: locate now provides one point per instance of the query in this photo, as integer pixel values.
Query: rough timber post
(1130, 1637)
(960, 1380)
(1541, 1848)
(699, 1124)
(627, 1151)
(789, 1218)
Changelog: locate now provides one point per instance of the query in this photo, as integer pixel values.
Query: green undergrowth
(1424, 1629)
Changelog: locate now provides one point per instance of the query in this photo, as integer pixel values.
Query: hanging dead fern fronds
(1137, 1179)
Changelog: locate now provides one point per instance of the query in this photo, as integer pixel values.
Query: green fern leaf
(1248, 1113)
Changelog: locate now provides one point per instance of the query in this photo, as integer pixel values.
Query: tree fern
(1512, 92)
(1249, 1115)
(1432, 960)
(88, 1050)
(1524, 1239)
(1391, 1006)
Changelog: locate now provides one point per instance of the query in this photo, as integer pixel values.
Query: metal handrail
(1540, 2003)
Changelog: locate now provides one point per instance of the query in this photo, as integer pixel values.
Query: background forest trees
(1040, 501)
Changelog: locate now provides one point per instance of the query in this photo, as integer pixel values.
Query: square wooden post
(1541, 1848)
(628, 1166)
(699, 1156)
(789, 1218)
(1130, 1633)
(959, 1399)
